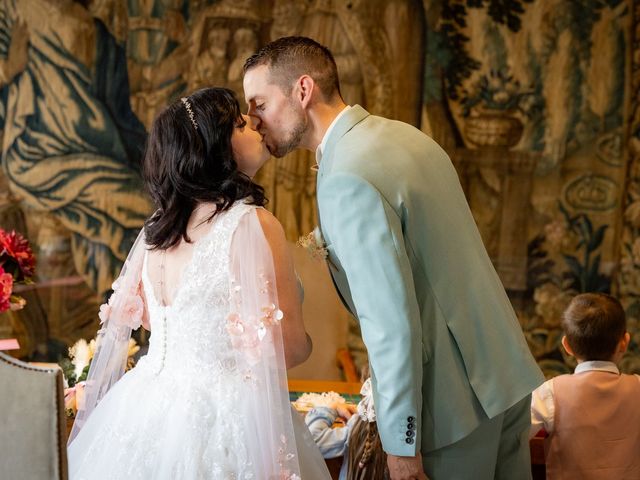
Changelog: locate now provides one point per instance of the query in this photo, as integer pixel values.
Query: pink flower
(272, 315)
(74, 397)
(244, 337)
(128, 305)
(132, 311)
(70, 399)
(105, 311)
(234, 325)
(6, 287)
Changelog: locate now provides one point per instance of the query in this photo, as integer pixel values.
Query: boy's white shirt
(542, 399)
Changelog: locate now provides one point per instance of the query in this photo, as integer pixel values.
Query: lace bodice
(190, 335)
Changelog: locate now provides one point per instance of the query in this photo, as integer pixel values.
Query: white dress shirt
(323, 143)
(542, 400)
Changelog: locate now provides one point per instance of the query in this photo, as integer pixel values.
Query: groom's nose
(254, 122)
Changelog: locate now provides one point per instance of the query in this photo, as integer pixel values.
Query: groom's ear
(304, 89)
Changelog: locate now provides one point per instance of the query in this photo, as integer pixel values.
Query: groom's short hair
(288, 58)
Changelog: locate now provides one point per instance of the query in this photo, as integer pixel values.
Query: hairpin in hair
(187, 106)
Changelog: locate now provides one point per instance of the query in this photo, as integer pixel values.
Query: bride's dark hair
(189, 159)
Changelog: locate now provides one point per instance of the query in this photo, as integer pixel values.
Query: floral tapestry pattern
(546, 78)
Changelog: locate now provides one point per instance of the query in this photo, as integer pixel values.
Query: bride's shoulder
(271, 226)
(267, 222)
(257, 223)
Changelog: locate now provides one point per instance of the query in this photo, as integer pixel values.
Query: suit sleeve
(367, 238)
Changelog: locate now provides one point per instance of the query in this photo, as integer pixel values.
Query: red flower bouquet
(17, 265)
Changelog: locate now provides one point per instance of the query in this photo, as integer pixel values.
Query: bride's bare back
(166, 267)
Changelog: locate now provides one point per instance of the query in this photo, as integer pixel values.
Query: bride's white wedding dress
(178, 413)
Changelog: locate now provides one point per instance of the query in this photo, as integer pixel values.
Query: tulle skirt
(164, 426)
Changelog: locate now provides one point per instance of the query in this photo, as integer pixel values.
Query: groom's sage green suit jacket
(445, 347)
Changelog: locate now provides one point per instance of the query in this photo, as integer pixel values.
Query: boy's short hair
(594, 323)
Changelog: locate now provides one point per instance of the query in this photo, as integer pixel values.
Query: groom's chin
(278, 152)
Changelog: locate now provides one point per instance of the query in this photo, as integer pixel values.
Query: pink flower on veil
(244, 337)
(105, 311)
(131, 309)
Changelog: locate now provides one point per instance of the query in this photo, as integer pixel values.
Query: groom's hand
(406, 468)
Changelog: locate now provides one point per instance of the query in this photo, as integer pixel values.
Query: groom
(451, 371)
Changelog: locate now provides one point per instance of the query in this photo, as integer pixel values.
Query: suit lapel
(351, 118)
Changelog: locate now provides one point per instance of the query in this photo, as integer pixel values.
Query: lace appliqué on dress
(249, 331)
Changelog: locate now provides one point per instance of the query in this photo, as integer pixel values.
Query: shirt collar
(323, 143)
(597, 365)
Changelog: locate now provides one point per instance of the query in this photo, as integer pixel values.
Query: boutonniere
(313, 243)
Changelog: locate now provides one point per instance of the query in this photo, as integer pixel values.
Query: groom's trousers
(497, 449)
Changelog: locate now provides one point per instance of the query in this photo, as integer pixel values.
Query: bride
(211, 277)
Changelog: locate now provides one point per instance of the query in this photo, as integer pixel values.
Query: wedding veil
(122, 314)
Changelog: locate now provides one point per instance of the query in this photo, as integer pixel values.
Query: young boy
(592, 416)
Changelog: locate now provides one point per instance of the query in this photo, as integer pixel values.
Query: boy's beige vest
(596, 427)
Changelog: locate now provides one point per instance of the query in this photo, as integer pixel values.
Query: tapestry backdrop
(533, 100)
(537, 102)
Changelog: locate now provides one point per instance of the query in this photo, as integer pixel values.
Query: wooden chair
(33, 434)
(347, 365)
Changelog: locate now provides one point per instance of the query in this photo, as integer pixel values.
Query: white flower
(366, 409)
(314, 244)
(312, 400)
(80, 354)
